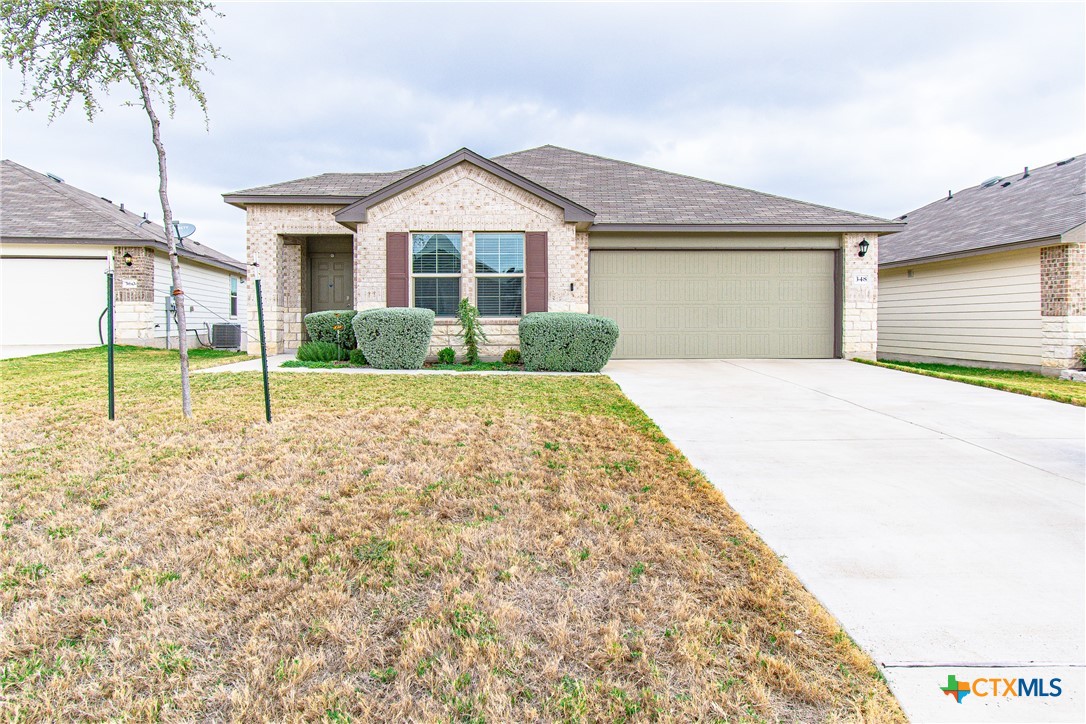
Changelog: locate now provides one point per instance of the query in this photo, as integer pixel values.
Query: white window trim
(414, 276)
(477, 275)
(232, 298)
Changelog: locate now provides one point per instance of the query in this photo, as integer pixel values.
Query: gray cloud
(877, 108)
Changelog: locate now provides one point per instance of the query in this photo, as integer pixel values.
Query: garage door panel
(716, 304)
(38, 291)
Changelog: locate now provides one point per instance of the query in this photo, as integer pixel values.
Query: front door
(331, 281)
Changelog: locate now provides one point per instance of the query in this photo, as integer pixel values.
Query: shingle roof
(1047, 203)
(35, 207)
(626, 193)
(617, 191)
(354, 185)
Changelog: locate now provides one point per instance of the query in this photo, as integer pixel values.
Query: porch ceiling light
(864, 246)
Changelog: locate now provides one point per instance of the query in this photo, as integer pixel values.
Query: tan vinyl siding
(979, 309)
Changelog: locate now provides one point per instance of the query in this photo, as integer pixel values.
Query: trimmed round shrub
(446, 356)
(395, 338)
(511, 357)
(321, 352)
(567, 341)
(322, 327)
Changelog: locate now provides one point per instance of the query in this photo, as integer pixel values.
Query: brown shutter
(397, 270)
(535, 271)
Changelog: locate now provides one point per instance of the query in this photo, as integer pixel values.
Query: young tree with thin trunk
(69, 49)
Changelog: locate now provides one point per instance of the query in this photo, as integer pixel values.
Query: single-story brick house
(993, 275)
(689, 268)
(55, 243)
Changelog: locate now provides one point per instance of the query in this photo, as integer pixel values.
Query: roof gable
(356, 212)
(40, 209)
(1012, 210)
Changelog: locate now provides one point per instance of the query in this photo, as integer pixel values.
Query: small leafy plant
(470, 330)
(446, 356)
(357, 358)
(511, 357)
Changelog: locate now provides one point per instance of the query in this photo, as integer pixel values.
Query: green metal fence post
(263, 351)
(109, 338)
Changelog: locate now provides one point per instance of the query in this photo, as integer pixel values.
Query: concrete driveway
(942, 523)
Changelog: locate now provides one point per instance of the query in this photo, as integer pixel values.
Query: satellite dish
(183, 231)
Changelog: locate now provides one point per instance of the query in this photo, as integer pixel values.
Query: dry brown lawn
(391, 548)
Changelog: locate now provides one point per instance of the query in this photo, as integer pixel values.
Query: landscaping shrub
(321, 352)
(511, 357)
(470, 330)
(446, 356)
(567, 341)
(333, 326)
(358, 359)
(396, 338)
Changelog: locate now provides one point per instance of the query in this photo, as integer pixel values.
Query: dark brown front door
(331, 281)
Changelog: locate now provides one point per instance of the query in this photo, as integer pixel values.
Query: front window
(233, 296)
(435, 272)
(499, 274)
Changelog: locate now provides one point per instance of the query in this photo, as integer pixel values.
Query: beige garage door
(716, 304)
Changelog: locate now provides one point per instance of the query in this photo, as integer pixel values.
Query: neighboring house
(55, 241)
(689, 268)
(994, 275)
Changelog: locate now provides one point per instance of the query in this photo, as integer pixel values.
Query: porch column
(292, 259)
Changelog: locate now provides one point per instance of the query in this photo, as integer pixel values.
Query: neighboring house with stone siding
(994, 275)
(688, 268)
(55, 244)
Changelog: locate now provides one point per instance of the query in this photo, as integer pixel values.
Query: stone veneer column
(134, 296)
(292, 259)
(860, 296)
(1063, 305)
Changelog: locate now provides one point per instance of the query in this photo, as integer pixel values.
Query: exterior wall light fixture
(127, 259)
(864, 246)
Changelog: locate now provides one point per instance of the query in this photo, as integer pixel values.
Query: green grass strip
(1018, 382)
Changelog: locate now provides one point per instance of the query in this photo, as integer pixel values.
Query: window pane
(499, 253)
(448, 297)
(435, 253)
(441, 294)
(500, 297)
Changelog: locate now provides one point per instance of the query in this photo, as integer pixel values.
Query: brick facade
(133, 306)
(467, 199)
(1063, 305)
(860, 291)
(141, 273)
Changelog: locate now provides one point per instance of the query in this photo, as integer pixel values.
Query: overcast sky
(876, 108)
